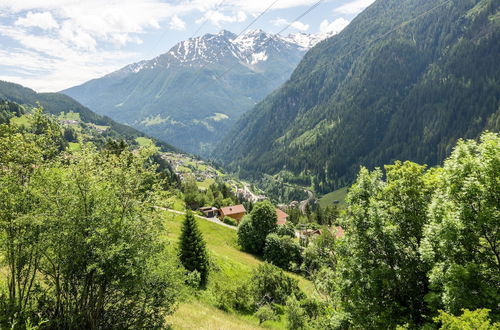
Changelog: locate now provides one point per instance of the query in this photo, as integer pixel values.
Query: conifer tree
(192, 249)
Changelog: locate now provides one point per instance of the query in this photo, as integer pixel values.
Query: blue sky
(50, 45)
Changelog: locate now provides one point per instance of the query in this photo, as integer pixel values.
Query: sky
(51, 45)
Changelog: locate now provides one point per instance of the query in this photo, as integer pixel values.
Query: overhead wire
(399, 26)
(238, 35)
(281, 31)
(194, 33)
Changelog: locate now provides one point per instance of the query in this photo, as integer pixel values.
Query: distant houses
(237, 212)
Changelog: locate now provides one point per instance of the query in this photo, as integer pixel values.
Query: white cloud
(295, 25)
(44, 21)
(217, 18)
(333, 27)
(49, 64)
(85, 39)
(176, 23)
(354, 7)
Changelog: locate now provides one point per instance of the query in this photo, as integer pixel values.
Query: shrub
(296, 316)
(265, 313)
(253, 230)
(271, 285)
(288, 229)
(477, 319)
(238, 298)
(282, 251)
(230, 221)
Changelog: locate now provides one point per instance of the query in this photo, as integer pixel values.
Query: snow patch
(258, 57)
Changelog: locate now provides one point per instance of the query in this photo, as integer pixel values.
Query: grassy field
(232, 266)
(73, 146)
(24, 120)
(70, 116)
(143, 142)
(205, 184)
(337, 195)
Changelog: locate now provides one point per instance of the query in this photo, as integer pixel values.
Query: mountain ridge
(192, 94)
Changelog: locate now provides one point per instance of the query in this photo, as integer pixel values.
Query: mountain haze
(191, 95)
(404, 80)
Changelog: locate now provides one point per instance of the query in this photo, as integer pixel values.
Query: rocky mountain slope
(193, 94)
(404, 80)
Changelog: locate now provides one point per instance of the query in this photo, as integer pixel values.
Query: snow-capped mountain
(251, 48)
(187, 96)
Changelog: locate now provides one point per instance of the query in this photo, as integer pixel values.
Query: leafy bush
(254, 229)
(230, 221)
(271, 285)
(265, 313)
(477, 319)
(282, 251)
(288, 229)
(238, 297)
(295, 314)
(319, 253)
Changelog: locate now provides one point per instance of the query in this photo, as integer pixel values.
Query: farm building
(237, 212)
(210, 212)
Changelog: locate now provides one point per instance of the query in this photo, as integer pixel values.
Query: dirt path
(213, 220)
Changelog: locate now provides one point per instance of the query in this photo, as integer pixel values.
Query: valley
(343, 176)
(193, 94)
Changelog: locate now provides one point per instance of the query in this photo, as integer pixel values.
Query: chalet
(237, 212)
(210, 212)
(282, 217)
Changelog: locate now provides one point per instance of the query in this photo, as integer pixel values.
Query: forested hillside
(404, 80)
(56, 104)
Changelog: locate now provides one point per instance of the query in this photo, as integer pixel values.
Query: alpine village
(184, 165)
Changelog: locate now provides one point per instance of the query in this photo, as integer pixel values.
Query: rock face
(193, 94)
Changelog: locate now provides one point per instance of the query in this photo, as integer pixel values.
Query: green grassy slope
(232, 266)
(337, 195)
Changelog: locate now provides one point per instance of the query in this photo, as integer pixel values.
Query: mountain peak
(250, 48)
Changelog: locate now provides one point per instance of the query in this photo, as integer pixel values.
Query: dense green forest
(404, 80)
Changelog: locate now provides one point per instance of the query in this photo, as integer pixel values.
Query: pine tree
(192, 249)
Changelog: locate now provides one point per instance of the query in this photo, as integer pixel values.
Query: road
(213, 220)
(303, 203)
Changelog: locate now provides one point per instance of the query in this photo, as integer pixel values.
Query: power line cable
(194, 33)
(239, 34)
(281, 31)
(399, 26)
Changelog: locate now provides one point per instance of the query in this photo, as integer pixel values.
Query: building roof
(282, 216)
(236, 209)
(339, 232)
(208, 208)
